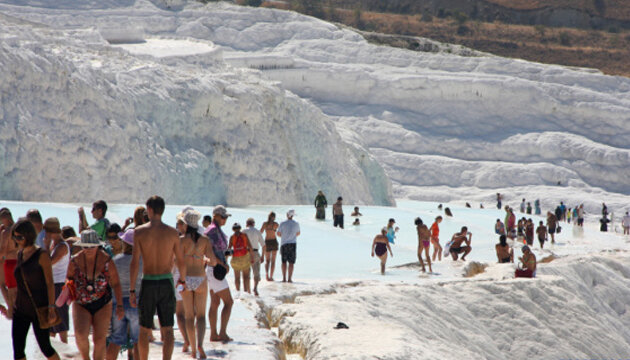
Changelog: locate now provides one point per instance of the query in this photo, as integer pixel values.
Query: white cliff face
(455, 119)
(84, 120)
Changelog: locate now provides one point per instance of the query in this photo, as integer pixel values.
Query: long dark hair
(269, 218)
(192, 231)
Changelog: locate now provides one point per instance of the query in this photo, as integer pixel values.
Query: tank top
(240, 244)
(34, 276)
(60, 269)
(435, 230)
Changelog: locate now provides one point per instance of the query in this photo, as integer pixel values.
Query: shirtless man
(457, 248)
(424, 241)
(8, 260)
(156, 243)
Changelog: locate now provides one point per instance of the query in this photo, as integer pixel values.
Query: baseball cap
(291, 213)
(221, 211)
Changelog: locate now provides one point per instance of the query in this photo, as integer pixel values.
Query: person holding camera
(457, 248)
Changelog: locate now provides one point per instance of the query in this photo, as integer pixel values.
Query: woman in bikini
(380, 246)
(195, 295)
(423, 243)
(435, 239)
(94, 275)
(270, 227)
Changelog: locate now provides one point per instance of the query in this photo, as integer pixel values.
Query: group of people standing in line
(117, 278)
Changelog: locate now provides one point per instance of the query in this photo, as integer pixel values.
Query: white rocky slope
(82, 120)
(472, 124)
(576, 308)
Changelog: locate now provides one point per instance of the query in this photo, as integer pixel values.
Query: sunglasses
(18, 237)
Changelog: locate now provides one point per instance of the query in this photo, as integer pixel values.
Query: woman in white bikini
(195, 294)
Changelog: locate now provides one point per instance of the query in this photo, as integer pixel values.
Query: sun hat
(192, 217)
(291, 213)
(221, 211)
(127, 236)
(89, 238)
(51, 225)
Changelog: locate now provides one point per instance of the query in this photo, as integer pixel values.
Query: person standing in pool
(288, 231)
(435, 238)
(157, 244)
(391, 230)
(424, 242)
(270, 227)
(541, 231)
(380, 246)
(320, 206)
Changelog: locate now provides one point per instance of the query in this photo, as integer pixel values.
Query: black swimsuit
(381, 248)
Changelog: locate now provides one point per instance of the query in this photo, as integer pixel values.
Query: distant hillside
(472, 24)
(587, 14)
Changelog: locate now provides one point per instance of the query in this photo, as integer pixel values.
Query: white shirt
(255, 237)
(626, 220)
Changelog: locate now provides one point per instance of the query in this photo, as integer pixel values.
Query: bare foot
(225, 338)
(284, 280)
(202, 354)
(215, 338)
(290, 280)
(256, 292)
(193, 354)
(185, 347)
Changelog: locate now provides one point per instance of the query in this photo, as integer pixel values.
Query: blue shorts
(128, 328)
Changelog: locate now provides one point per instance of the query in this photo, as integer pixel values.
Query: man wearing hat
(529, 264)
(288, 231)
(60, 258)
(219, 288)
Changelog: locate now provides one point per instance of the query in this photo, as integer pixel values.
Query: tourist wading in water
(424, 242)
(380, 246)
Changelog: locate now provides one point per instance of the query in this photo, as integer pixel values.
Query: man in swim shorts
(8, 259)
(288, 231)
(157, 244)
(457, 248)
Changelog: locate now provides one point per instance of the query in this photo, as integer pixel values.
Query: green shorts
(157, 295)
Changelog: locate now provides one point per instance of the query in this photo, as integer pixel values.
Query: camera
(229, 252)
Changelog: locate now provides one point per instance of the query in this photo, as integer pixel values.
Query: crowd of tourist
(116, 279)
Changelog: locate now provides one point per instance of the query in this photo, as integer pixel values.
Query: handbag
(42, 312)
